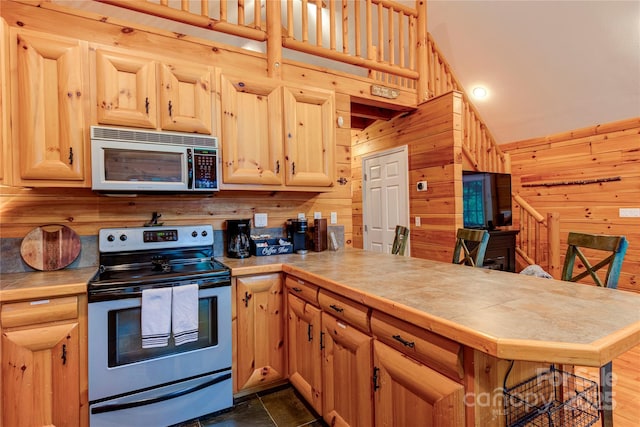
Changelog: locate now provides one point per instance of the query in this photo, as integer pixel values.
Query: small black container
(238, 238)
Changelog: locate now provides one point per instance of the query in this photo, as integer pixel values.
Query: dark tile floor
(282, 407)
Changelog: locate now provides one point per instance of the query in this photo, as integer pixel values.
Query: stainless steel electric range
(136, 386)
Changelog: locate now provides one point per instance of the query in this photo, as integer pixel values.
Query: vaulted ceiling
(549, 66)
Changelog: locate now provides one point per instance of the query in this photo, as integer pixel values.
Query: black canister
(238, 236)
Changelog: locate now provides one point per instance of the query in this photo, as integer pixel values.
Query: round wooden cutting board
(50, 247)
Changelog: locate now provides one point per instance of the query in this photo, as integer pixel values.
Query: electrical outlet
(418, 221)
(334, 217)
(629, 212)
(421, 186)
(260, 220)
(317, 215)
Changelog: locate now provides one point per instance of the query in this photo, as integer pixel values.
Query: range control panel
(143, 238)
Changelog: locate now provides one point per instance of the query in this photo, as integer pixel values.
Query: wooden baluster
(223, 11)
(356, 13)
(204, 8)
(290, 32)
(345, 26)
(369, 30)
(257, 14)
(318, 22)
(240, 12)
(305, 21)
(184, 5)
(380, 45)
(332, 25)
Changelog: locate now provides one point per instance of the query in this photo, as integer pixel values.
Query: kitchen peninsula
(496, 316)
(474, 320)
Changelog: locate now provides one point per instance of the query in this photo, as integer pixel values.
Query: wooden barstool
(477, 240)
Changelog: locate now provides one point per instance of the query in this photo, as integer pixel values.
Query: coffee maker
(297, 234)
(238, 235)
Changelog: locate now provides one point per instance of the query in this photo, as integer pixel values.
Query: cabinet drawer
(303, 289)
(345, 309)
(437, 352)
(39, 311)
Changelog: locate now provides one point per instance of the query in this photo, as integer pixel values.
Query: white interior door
(385, 198)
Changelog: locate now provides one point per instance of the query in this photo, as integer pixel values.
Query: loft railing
(478, 145)
(388, 40)
(381, 36)
(538, 241)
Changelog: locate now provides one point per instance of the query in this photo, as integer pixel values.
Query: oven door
(119, 365)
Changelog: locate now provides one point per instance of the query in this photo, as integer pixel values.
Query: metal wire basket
(552, 398)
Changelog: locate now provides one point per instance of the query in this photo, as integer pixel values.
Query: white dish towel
(156, 317)
(185, 314)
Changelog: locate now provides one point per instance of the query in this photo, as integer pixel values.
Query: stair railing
(538, 241)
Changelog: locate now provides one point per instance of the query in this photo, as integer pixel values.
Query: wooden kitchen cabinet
(309, 136)
(137, 91)
(252, 149)
(43, 371)
(408, 393)
(276, 136)
(259, 341)
(49, 100)
(305, 358)
(347, 368)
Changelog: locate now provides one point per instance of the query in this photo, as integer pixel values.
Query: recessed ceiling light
(479, 92)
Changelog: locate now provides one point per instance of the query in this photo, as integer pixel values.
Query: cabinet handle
(310, 332)
(336, 308)
(170, 109)
(293, 168)
(146, 104)
(64, 354)
(70, 155)
(247, 297)
(321, 340)
(376, 386)
(296, 290)
(277, 167)
(406, 343)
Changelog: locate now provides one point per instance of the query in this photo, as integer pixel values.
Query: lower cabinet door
(41, 376)
(347, 369)
(305, 358)
(408, 393)
(259, 334)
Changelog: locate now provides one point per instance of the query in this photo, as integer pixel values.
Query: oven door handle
(120, 406)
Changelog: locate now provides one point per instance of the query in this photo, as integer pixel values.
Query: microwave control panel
(204, 169)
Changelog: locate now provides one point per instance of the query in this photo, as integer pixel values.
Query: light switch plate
(317, 215)
(301, 216)
(629, 212)
(260, 220)
(334, 217)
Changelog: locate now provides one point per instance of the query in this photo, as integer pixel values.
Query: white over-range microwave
(131, 160)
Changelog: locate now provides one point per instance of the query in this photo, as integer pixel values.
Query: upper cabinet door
(251, 131)
(48, 108)
(185, 98)
(126, 90)
(309, 137)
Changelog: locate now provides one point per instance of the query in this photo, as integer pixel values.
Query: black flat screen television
(486, 199)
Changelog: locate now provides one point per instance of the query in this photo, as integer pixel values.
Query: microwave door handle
(172, 395)
(190, 160)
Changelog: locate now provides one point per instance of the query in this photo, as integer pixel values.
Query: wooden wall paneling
(600, 152)
(430, 133)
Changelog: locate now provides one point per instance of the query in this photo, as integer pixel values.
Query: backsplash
(11, 262)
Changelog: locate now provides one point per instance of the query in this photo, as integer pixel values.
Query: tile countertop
(507, 315)
(44, 284)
